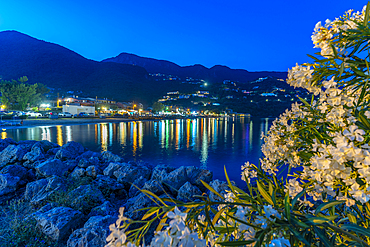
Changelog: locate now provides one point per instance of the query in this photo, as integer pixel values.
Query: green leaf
(264, 194)
(217, 216)
(271, 189)
(299, 236)
(317, 220)
(150, 213)
(211, 189)
(326, 205)
(155, 196)
(356, 228)
(236, 243)
(352, 218)
(366, 19)
(295, 199)
(287, 207)
(341, 69)
(323, 237)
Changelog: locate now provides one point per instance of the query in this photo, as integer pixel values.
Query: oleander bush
(311, 188)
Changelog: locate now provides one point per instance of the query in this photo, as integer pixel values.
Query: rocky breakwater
(74, 194)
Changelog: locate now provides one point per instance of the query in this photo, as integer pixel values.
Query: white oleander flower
(279, 242)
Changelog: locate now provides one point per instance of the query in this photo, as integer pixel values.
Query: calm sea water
(210, 143)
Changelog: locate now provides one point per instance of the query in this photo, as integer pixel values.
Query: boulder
(138, 202)
(70, 150)
(103, 181)
(85, 197)
(53, 151)
(6, 142)
(8, 184)
(89, 154)
(39, 191)
(176, 178)
(52, 167)
(108, 157)
(220, 187)
(112, 167)
(91, 171)
(16, 171)
(11, 154)
(46, 145)
(160, 172)
(94, 232)
(187, 191)
(139, 182)
(105, 209)
(78, 173)
(83, 163)
(58, 222)
(196, 174)
(35, 154)
(154, 186)
(127, 174)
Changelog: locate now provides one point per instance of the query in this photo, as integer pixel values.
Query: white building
(76, 109)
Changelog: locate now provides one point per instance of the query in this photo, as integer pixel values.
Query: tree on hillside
(157, 107)
(18, 94)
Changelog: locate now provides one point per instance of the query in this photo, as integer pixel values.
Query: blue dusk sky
(241, 34)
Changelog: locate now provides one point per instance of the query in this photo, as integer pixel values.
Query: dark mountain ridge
(59, 67)
(217, 73)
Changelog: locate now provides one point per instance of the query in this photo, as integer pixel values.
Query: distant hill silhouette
(59, 67)
(217, 73)
(124, 78)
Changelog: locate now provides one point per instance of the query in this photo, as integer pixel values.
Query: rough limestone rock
(83, 163)
(94, 232)
(127, 174)
(16, 171)
(6, 142)
(139, 182)
(52, 167)
(70, 150)
(8, 184)
(154, 186)
(160, 172)
(187, 191)
(108, 157)
(102, 210)
(35, 154)
(176, 178)
(58, 222)
(105, 182)
(135, 203)
(220, 187)
(89, 154)
(78, 173)
(111, 168)
(86, 197)
(46, 145)
(11, 154)
(39, 191)
(91, 171)
(52, 152)
(196, 174)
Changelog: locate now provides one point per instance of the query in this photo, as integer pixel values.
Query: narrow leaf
(326, 205)
(264, 194)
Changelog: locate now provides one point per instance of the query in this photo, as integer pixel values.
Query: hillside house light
(45, 105)
(3, 107)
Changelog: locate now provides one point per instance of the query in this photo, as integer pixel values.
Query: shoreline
(29, 123)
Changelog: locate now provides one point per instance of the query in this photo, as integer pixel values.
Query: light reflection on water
(205, 142)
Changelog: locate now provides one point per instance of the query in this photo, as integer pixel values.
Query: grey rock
(135, 203)
(16, 171)
(78, 173)
(58, 222)
(8, 184)
(35, 154)
(89, 154)
(108, 157)
(103, 181)
(154, 186)
(187, 191)
(112, 167)
(46, 145)
(52, 167)
(94, 160)
(53, 151)
(220, 187)
(176, 178)
(39, 191)
(160, 172)
(196, 174)
(11, 154)
(70, 150)
(83, 163)
(91, 171)
(105, 209)
(127, 174)
(94, 232)
(139, 182)
(6, 142)
(86, 197)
